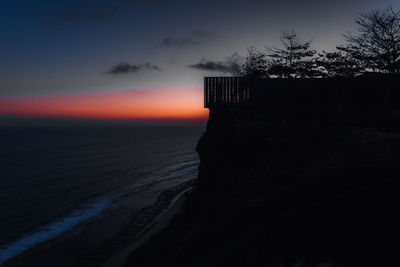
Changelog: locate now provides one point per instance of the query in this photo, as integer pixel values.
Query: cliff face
(245, 153)
(279, 193)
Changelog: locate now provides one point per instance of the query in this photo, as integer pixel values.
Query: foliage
(375, 48)
(338, 64)
(377, 43)
(255, 65)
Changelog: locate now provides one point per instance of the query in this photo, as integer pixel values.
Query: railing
(226, 91)
(308, 95)
(365, 101)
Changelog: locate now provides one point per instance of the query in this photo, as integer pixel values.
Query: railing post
(205, 92)
(226, 91)
(214, 93)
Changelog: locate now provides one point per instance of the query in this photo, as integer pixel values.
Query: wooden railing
(311, 95)
(367, 101)
(226, 91)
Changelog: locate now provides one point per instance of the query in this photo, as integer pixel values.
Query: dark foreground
(291, 194)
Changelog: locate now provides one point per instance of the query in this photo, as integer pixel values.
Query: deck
(363, 92)
(362, 101)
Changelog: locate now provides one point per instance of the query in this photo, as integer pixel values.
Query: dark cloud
(126, 68)
(194, 38)
(75, 16)
(231, 64)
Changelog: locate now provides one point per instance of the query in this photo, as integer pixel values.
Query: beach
(109, 238)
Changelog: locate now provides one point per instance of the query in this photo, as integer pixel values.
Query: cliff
(285, 193)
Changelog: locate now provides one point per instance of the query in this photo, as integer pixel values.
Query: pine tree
(338, 64)
(294, 60)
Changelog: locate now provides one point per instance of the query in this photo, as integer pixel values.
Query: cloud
(231, 64)
(99, 15)
(126, 68)
(194, 38)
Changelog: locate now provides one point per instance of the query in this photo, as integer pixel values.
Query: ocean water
(52, 179)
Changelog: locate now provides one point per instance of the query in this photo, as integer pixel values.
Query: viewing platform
(373, 97)
(364, 91)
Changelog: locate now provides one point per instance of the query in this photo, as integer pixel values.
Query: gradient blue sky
(67, 47)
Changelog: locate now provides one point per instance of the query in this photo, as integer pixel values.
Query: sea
(53, 178)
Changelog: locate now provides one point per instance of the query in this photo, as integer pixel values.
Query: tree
(294, 60)
(255, 65)
(377, 43)
(338, 64)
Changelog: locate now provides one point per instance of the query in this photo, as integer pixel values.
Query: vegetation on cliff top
(375, 47)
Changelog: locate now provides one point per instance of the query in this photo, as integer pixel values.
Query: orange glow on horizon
(167, 104)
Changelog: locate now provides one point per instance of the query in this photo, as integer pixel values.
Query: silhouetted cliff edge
(286, 193)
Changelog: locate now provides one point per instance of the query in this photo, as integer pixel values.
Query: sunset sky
(141, 59)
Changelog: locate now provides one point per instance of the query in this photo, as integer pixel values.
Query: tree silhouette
(294, 60)
(338, 64)
(375, 47)
(377, 43)
(255, 65)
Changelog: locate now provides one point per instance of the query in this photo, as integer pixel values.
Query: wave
(185, 170)
(182, 169)
(52, 230)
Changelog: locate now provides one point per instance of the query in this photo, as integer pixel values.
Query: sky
(144, 59)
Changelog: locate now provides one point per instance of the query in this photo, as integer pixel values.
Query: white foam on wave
(181, 170)
(52, 230)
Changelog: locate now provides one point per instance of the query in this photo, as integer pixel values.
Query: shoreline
(120, 226)
(120, 258)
